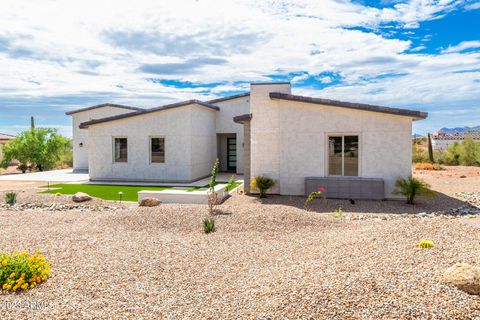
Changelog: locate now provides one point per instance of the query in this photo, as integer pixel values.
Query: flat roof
(84, 125)
(350, 105)
(101, 106)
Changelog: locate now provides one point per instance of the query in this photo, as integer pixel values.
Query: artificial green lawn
(110, 192)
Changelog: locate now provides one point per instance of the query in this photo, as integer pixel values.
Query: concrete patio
(65, 175)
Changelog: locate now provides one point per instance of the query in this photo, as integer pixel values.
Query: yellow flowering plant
(22, 271)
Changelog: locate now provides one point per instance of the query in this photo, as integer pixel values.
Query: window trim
(360, 147)
(164, 147)
(113, 149)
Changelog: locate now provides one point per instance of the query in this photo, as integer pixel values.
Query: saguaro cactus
(430, 149)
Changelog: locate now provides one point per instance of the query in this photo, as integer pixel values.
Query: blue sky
(417, 54)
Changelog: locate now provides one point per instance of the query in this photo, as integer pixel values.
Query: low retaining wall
(183, 196)
(347, 187)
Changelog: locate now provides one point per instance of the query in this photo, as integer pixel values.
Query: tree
(37, 148)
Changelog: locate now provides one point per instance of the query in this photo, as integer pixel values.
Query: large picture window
(157, 150)
(343, 155)
(120, 150)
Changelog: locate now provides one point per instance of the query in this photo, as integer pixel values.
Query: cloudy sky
(56, 56)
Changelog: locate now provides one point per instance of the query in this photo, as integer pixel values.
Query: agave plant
(11, 198)
(262, 184)
(208, 225)
(412, 187)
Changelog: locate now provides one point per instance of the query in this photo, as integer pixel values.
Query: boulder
(81, 197)
(149, 202)
(465, 277)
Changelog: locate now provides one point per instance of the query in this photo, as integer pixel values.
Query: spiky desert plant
(208, 225)
(262, 184)
(11, 198)
(412, 187)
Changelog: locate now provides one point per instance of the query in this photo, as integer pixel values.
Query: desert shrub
(208, 225)
(10, 198)
(412, 187)
(338, 213)
(21, 271)
(425, 244)
(419, 154)
(470, 153)
(212, 197)
(466, 153)
(440, 156)
(23, 167)
(312, 196)
(262, 184)
(428, 166)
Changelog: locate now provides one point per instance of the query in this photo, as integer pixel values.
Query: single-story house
(353, 150)
(4, 138)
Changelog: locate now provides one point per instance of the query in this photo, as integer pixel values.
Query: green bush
(412, 187)
(466, 153)
(425, 244)
(262, 184)
(11, 198)
(208, 225)
(20, 271)
(419, 154)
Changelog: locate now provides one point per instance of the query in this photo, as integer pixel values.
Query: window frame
(113, 149)
(327, 146)
(150, 138)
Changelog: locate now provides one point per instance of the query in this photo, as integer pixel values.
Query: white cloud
(107, 49)
(464, 45)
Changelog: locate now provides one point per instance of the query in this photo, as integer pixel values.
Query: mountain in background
(459, 129)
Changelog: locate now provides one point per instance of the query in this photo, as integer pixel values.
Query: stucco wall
(224, 124)
(80, 154)
(204, 142)
(185, 135)
(384, 143)
(265, 132)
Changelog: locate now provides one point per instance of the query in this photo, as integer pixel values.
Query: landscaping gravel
(265, 261)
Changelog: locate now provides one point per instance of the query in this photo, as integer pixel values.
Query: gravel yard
(270, 260)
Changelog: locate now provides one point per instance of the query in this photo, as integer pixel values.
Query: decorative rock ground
(465, 277)
(149, 202)
(81, 197)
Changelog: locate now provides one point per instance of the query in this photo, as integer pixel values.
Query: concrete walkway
(222, 176)
(66, 175)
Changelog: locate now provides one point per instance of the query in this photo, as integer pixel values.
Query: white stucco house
(352, 150)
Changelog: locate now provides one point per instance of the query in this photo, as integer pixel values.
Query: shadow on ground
(439, 203)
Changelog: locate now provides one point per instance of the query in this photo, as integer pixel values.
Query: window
(157, 150)
(120, 150)
(343, 156)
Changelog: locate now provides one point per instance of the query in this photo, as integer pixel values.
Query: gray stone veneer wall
(347, 187)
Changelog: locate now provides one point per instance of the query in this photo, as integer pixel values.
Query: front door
(232, 154)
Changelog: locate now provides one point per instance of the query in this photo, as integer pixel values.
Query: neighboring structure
(357, 150)
(441, 140)
(4, 138)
